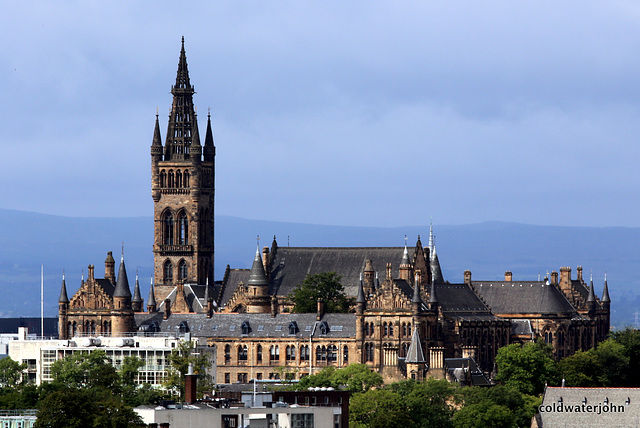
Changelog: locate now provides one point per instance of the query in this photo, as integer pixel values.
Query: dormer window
(246, 328)
(324, 327)
(293, 327)
(183, 327)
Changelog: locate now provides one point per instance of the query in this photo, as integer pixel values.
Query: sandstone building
(407, 319)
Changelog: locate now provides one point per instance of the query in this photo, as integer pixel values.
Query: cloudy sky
(343, 113)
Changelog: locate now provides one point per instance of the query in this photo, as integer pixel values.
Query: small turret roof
(137, 298)
(63, 292)
(157, 140)
(151, 301)
(122, 283)
(257, 275)
(605, 291)
(415, 354)
(361, 298)
(592, 297)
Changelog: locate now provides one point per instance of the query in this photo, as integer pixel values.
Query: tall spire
(436, 272)
(181, 131)
(605, 291)
(431, 244)
(63, 292)
(591, 298)
(182, 79)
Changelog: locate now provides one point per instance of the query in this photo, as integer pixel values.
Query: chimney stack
(320, 313)
(508, 276)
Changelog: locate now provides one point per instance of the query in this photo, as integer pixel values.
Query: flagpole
(42, 300)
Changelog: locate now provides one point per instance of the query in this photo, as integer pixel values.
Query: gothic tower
(182, 187)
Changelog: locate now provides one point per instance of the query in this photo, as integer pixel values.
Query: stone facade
(406, 320)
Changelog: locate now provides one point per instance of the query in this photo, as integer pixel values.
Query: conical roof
(63, 292)
(157, 140)
(182, 77)
(257, 275)
(416, 293)
(361, 298)
(122, 283)
(433, 298)
(436, 272)
(415, 354)
(405, 256)
(605, 291)
(151, 301)
(592, 297)
(137, 298)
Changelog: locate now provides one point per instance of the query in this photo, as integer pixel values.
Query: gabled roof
(292, 264)
(523, 297)
(459, 298)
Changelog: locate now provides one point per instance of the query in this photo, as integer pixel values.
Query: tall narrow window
(242, 353)
(178, 179)
(182, 270)
(183, 227)
(168, 272)
(259, 354)
(186, 179)
(171, 179)
(163, 178)
(168, 229)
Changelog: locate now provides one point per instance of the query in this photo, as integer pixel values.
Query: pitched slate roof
(341, 326)
(292, 264)
(459, 298)
(236, 276)
(523, 297)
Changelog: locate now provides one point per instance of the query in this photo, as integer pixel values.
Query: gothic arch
(183, 228)
(168, 227)
(183, 270)
(167, 272)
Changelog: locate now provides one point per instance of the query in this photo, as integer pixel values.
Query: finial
(258, 240)
(136, 274)
(209, 112)
(157, 112)
(405, 240)
(152, 280)
(183, 41)
(122, 253)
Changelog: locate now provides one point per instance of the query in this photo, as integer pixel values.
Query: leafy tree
(353, 378)
(84, 407)
(605, 366)
(527, 368)
(429, 403)
(356, 378)
(324, 286)
(500, 406)
(11, 372)
(378, 408)
(629, 338)
(180, 358)
(90, 370)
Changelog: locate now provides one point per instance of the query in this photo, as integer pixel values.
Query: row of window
(88, 327)
(387, 329)
(177, 180)
(323, 353)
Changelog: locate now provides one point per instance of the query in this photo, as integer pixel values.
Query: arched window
(345, 355)
(183, 229)
(163, 178)
(366, 329)
(390, 329)
(386, 329)
(372, 330)
(259, 353)
(242, 353)
(227, 354)
(186, 179)
(182, 270)
(291, 353)
(332, 353)
(178, 179)
(171, 179)
(321, 353)
(368, 352)
(168, 272)
(274, 353)
(168, 228)
(304, 353)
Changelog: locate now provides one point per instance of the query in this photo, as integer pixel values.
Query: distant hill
(29, 240)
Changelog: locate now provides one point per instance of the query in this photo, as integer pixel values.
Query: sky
(364, 113)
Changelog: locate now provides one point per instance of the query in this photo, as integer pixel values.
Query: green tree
(180, 359)
(527, 368)
(378, 408)
(324, 286)
(605, 366)
(84, 407)
(87, 369)
(629, 338)
(500, 406)
(429, 403)
(356, 378)
(11, 372)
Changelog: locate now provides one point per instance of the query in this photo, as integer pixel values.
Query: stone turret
(63, 308)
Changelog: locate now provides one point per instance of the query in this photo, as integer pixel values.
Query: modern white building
(153, 350)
